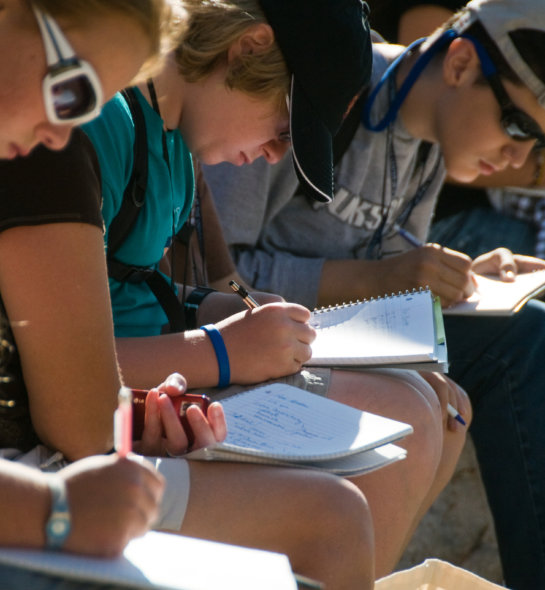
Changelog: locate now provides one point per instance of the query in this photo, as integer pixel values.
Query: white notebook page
(400, 328)
(282, 420)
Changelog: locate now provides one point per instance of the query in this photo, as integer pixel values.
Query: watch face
(59, 525)
(57, 529)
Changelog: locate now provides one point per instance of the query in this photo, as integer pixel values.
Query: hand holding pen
(416, 243)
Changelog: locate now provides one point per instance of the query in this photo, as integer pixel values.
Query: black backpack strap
(120, 227)
(135, 192)
(194, 225)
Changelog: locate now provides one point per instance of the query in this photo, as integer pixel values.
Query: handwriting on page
(396, 327)
(278, 423)
(374, 314)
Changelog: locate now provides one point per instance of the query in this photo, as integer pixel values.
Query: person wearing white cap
(505, 209)
(469, 101)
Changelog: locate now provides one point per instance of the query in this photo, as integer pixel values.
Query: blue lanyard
(396, 100)
(421, 63)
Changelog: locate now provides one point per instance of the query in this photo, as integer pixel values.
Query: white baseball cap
(502, 17)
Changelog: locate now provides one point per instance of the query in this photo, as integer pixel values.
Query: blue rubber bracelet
(221, 354)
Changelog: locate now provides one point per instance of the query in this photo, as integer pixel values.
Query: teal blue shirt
(168, 202)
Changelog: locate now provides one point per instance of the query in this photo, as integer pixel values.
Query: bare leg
(320, 521)
(399, 494)
(453, 443)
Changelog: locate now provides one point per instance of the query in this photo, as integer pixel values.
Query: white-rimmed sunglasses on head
(72, 92)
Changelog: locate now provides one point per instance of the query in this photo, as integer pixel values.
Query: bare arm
(111, 501)
(269, 342)
(445, 271)
(53, 282)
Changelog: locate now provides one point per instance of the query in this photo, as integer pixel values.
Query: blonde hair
(162, 21)
(212, 27)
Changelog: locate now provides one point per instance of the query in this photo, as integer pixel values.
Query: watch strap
(58, 525)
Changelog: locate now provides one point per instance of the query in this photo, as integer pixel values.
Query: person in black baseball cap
(327, 48)
(320, 59)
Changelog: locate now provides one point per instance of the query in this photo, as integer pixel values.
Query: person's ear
(461, 62)
(255, 39)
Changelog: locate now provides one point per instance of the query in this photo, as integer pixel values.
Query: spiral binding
(347, 304)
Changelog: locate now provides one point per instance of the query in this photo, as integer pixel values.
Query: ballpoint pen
(246, 297)
(408, 236)
(454, 413)
(123, 422)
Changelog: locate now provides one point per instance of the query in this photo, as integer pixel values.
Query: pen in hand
(414, 241)
(246, 297)
(454, 413)
(123, 422)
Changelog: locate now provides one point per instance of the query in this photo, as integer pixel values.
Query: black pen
(246, 297)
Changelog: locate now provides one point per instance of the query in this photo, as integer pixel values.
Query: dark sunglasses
(515, 122)
(71, 89)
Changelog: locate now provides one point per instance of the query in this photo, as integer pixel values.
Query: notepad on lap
(168, 562)
(402, 330)
(279, 424)
(497, 297)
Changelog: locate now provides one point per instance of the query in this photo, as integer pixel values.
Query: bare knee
(422, 411)
(320, 521)
(400, 395)
(337, 525)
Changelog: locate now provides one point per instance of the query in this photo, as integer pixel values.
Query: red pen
(123, 422)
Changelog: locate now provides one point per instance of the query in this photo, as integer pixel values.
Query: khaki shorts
(176, 494)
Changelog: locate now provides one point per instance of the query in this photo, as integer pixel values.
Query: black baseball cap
(327, 47)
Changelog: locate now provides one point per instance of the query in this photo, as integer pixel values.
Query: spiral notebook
(278, 424)
(403, 330)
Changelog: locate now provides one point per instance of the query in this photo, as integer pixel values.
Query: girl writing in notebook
(111, 500)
